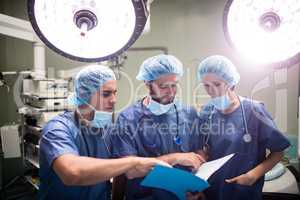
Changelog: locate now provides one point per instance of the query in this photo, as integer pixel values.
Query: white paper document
(208, 168)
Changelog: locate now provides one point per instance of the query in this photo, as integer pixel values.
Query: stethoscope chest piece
(247, 138)
(177, 140)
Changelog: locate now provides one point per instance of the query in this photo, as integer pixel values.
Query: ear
(85, 109)
(148, 84)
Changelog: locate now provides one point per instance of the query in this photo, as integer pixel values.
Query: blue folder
(174, 180)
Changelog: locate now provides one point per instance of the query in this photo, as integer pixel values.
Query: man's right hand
(144, 165)
(191, 159)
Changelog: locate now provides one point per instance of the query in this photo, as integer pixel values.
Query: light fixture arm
(21, 29)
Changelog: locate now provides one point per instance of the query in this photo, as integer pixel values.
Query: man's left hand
(245, 179)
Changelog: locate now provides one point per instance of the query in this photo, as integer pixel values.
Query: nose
(211, 91)
(172, 90)
(113, 99)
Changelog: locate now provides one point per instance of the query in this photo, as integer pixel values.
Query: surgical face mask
(221, 103)
(157, 108)
(101, 118)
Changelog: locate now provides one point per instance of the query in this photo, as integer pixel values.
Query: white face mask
(157, 108)
(101, 118)
(222, 102)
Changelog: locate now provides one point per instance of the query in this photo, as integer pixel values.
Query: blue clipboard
(174, 180)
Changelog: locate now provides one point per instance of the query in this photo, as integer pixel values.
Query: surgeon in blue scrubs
(159, 126)
(75, 147)
(234, 124)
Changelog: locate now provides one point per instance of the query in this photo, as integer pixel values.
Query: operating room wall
(191, 30)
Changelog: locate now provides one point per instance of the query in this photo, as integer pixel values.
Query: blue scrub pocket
(151, 143)
(245, 192)
(245, 188)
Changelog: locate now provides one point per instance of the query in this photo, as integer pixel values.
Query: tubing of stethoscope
(247, 137)
(206, 146)
(177, 138)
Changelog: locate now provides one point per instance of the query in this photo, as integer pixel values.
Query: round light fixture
(88, 30)
(266, 32)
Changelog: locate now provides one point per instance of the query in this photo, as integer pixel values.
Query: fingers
(197, 160)
(233, 180)
(193, 163)
(159, 162)
(145, 165)
(133, 173)
(193, 160)
(203, 154)
(195, 196)
(200, 158)
(130, 174)
(190, 196)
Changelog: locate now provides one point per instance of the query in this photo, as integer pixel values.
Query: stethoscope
(246, 137)
(87, 148)
(177, 139)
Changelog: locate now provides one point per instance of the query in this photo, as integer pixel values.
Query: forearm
(89, 171)
(104, 169)
(266, 165)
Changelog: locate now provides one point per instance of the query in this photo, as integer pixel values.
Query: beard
(166, 99)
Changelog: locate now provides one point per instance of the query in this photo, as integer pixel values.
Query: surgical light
(265, 31)
(88, 30)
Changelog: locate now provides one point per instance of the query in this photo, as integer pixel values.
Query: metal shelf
(38, 98)
(33, 162)
(34, 111)
(34, 128)
(29, 180)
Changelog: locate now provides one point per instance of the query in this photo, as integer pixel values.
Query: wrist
(134, 161)
(175, 160)
(254, 176)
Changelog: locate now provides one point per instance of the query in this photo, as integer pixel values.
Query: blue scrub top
(226, 137)
(147, 135)
(63, 135)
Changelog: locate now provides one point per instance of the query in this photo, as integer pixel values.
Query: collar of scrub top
(84, 122)
(177, 139)
(247, 137)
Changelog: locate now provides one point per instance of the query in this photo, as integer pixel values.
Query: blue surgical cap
(221, 67)
(88, 81)
(160, 65)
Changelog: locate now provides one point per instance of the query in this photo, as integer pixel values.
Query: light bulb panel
(88, 30)
(266, 32)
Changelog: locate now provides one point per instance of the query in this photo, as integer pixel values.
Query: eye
(163, 87)
(169, 85)
(174, 85)
(106, 94)
(206, 85)
(217, 84)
